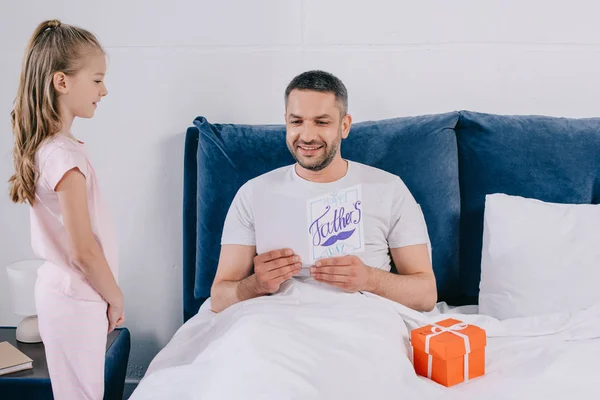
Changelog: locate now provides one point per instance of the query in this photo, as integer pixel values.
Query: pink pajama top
(49, 237)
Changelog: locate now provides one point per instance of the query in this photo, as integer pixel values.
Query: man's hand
(273, 268)
(348, 273)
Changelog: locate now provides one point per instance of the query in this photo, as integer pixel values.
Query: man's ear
(59, 81)
(346, 123)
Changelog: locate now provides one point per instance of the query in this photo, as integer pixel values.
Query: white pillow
(538, 257)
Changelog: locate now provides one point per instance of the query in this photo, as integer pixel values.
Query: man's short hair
(320, 81)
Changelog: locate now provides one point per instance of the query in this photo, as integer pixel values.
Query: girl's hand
(116, 316)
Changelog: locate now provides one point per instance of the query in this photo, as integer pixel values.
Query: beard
(316, 163)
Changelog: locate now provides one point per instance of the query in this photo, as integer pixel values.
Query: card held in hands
(335, 224)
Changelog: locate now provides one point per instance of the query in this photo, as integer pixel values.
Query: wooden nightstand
(34, 383)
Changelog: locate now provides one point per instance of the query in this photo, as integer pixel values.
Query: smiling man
(325, 218)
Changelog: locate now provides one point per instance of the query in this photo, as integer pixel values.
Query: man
(337, 220)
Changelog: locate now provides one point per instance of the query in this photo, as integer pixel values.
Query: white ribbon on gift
(438, 330)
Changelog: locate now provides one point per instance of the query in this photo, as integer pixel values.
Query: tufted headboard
(448, 161)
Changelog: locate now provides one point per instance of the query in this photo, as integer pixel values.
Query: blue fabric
(421, 150)
(448, 161)
(115, 365)
(550, 159)
(191, 304)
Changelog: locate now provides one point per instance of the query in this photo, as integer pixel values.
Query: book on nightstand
(12, 359)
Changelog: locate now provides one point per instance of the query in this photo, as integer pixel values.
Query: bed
(310, 341)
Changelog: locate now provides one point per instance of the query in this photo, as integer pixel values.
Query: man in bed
(339, 222)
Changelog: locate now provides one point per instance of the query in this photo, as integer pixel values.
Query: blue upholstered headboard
(448, 161)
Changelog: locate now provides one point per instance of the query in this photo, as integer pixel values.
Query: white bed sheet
(311, 341)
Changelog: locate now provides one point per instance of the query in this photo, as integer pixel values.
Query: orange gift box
(449, 352)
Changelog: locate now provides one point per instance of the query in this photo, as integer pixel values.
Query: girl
(77, 297)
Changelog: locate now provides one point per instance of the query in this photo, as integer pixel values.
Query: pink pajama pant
(74, 333)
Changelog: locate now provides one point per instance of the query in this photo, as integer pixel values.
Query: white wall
(231, 60)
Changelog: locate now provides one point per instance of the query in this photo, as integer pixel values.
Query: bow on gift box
(454, 329)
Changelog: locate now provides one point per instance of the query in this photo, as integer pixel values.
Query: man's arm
(414, 286)
(243, 275)
(232, 282)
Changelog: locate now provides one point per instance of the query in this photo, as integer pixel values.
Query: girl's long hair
(53, 47)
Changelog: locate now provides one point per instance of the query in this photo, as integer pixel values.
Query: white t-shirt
(366, 212)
